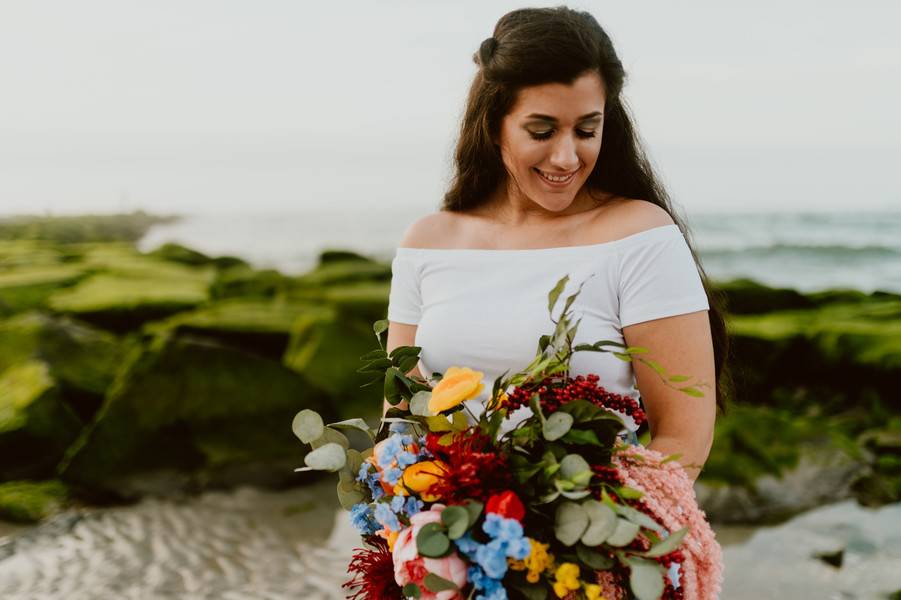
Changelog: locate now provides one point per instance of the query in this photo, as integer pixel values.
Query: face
(553, 132)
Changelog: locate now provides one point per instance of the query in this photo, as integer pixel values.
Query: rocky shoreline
(126, 374)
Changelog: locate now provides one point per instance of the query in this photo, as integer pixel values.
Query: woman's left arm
(678, 423)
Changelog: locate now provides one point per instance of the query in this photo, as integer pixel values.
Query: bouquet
(450, 508)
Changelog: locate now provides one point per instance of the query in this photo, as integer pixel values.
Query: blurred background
(199, 202)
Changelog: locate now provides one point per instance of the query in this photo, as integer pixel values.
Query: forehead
(586, 94)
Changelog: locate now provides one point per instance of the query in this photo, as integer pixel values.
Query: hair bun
(486, 50)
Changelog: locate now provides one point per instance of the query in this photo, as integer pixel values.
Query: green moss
(243, 281)
(20, 387)
(124, 227)
(31, 501)
(180, 254)
(344, 271)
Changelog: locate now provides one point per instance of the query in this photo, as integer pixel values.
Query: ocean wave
(804, 250)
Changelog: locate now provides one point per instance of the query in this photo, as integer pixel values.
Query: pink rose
(409, 567)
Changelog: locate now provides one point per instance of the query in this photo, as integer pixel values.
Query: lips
(556, 181)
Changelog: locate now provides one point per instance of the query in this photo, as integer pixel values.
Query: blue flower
(501, 528)
(397, 504)
(371, 478)
(491, 589)
(361, 519)
(399, 427)
(392, 475)
(519, 548)
(467, 546)
(405, 459)
(413, 506)
(394, 445)
(492, 557)
(386, 517)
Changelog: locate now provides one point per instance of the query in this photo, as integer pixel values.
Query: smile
(556, 180)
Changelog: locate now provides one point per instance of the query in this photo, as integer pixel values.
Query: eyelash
(547, 135)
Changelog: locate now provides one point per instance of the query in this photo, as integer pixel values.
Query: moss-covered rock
(746, 296)
(344, 271)
(180, 254)
(175, 404)
(367, 300)
(326, 345)
(244, 282)
(31, 501)
(254, 325)
(24, 288)
(71, 229)
(35, 424)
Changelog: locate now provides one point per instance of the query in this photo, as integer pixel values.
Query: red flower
(506, 504)
(474, 469)
(373, 572)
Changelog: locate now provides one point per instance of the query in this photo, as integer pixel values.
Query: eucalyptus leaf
(593, 558)
(570, 522)
(624, 533)
(576, 469)
(575, 494)
(436, 583)
(474, 508)
(380, 326)
(330, 457)
(331, 436)
(645, 578)
(638, 517)
(581, 436)
(419, 404)
(667, 545)
(349, 496)
(555, 293)
(431, 541)
(456, 519)
(411, 590)
(556, 426)
(358, 424)
(602, 523)
(307, 425)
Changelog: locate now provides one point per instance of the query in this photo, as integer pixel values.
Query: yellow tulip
(457, 385)
(419, 477)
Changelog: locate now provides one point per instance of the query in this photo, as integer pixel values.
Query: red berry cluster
(607, 474)
(667, 560)
(555, 392)
(672, 593)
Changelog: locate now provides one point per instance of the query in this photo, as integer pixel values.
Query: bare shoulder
(628, 216)
(430, 231)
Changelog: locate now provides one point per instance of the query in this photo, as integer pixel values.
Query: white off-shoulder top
(486, 308)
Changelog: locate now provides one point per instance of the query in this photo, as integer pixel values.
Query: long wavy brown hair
(535, 46)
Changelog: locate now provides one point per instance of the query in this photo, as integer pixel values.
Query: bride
(550, 178)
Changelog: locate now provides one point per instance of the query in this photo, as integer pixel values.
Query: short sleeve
(659, 278)
(404, 300)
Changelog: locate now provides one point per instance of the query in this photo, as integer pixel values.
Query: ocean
(804, 251)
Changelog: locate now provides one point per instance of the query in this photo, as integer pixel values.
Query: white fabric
(486, 309)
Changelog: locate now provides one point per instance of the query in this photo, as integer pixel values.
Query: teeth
(555, 177)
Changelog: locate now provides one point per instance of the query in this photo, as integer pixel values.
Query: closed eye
(545, 135)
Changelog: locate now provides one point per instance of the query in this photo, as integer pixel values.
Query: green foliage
(31, 501)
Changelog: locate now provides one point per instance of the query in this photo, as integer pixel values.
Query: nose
(563, 154)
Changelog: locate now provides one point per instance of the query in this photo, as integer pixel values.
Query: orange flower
(419, 477)
(457, 385)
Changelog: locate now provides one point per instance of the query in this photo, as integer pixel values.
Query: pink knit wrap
(670, 495)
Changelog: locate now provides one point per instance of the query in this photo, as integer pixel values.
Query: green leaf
(307, 425)
(419, 404)
(460, 421)
(439, 424)
(629, 493)
(474, 508)
(555, 293)
(373, 355)
(431, 541)
(678, 378)
(638, 517)
(593, 559)
(436, 583)
(576, 469)
(667, 545)
(622, 356)
(391, 389)
(535, 405)
(581, 436)
(635, 350)
(456, 519)
(358, 424)
(645, 579)
(692, 391)
(654, 365)
(556, 426)
(380, 326)
(349, 494)
(330, 457)
(624, 533)
(601, 523)
(331, 436)
(375, 366)
(406, 363)
(670, 457)
(402, 351)
(411, 590)
(570, 522)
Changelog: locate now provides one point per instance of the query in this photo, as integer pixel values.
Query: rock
(35, 424)
(786, 561)
(180, 254)
(244, 282)
(254, 325)
(31, 501)
(333, 269)
(26, 287)
(194, 407)
(326, 345)
(131, 290)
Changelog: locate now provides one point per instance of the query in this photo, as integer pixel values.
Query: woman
(550, 179)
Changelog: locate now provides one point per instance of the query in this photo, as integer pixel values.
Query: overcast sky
(288, 106)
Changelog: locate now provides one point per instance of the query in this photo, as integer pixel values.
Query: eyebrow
(554, 119)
